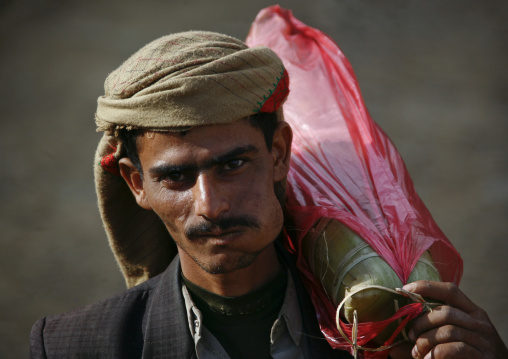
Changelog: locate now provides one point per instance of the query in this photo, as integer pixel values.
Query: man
(196, 152)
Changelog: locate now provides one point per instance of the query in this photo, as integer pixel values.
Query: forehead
(200, 141)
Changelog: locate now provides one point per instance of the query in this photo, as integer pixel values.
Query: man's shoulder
(107, 308)
(86, 328)
(114, 327)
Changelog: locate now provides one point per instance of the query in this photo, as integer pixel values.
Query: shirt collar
(289, 315)
(290, 312)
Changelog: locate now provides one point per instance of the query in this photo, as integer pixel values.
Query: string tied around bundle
(358, 335)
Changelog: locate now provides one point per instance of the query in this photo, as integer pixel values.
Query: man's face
(214, 190)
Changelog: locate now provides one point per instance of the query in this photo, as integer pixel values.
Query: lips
(221, 237)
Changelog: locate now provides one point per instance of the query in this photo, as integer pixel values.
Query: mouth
(221, 237)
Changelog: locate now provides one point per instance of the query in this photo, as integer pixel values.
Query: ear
(281, 151)
(134, 180)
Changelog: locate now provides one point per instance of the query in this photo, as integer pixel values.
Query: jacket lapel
(166, 329)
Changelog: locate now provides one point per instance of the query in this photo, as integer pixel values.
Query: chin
(228, 265)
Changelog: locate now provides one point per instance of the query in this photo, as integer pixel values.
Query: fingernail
(414, 352)
(409, 287)
(428, 356)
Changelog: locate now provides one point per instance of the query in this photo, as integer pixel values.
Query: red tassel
(110, 164)
(278, 96)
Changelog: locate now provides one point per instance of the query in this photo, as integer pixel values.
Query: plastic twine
(359, 334)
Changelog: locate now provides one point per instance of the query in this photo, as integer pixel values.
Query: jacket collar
(166, 332)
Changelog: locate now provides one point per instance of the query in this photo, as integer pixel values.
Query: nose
(210, 199)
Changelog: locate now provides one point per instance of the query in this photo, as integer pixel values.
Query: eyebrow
(217, 160)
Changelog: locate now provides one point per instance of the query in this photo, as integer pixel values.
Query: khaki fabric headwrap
(181, 80)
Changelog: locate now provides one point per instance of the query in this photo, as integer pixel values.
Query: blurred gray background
(433, 75)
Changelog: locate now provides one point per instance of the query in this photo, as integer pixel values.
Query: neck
(239, 282)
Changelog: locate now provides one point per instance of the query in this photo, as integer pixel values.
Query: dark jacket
(147, 321)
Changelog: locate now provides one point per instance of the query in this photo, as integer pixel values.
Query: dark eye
(174, 177)
(233, 164)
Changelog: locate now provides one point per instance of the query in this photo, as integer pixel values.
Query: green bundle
(344, 263)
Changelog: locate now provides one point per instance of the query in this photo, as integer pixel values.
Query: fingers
(447, 332)
(458, 329)
(447, 340)
(441, 316)
(448, 293)
(448, 350)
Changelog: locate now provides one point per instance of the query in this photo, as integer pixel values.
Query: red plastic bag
(343, 165)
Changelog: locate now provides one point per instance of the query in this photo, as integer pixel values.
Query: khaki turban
(180, 80)
(189, 79)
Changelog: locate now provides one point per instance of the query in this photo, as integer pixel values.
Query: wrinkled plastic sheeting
(343, 165)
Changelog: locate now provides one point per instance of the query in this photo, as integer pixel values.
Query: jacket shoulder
(109, 328)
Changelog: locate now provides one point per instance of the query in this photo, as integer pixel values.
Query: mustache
(221, 224)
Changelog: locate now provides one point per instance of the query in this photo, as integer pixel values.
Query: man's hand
(459, 329)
